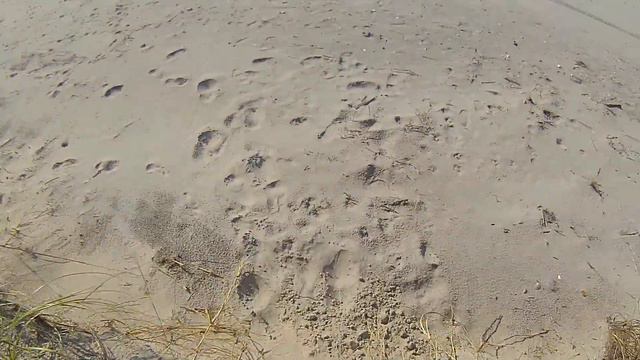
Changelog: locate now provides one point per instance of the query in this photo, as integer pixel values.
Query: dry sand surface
(368, 162)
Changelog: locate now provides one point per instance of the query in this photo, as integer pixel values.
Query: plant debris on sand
(46, 331)
(623, 342)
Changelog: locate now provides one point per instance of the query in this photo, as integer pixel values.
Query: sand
(368, 162)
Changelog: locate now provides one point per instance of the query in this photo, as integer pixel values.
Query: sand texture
(368, 162)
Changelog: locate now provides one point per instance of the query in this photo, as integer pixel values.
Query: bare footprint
(155, 168)
(177, 81)
(175, 53)
(114, 90)
(310, 60)
(246, 77)
(248, 114)
(229, 179)
(106, 166)
(206, 89)
(210, 141)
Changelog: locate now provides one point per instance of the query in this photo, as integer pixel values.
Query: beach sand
(368, 162)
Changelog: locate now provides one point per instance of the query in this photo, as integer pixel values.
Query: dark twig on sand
(517, 339)
(489, 332)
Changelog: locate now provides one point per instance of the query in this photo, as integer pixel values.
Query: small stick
(489, 332)
(512, 81)
(6, 142)
(523, 339)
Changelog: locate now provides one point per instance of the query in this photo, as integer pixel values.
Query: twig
(522, 339)
(489, 332)
(6, 142)
(512, 81)
(365, 102)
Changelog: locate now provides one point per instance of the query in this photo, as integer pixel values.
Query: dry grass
(214, 333)
(40, 332)
(438, 349)
(44, 330)
(623, 342)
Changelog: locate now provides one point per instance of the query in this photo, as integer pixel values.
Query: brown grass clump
(38, 332)
(85, 325)
(623, 342)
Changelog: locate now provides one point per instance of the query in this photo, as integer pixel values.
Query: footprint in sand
(316, 59)
(175, 53)
(151, 168)
(63, 163)
(245, 77)
(209, 142)
(207, 89)
(248, 287)
(262, 60)
(254, 162)
(248, 115)
(114, 90)
(229, 179)
(106, 166)
(176, 81)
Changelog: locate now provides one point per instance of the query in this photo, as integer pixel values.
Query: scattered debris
(255, 162)
(342, 117)
(549, 115)
(370, 174)
(364, 102)
(548, 218)
(349, 200)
